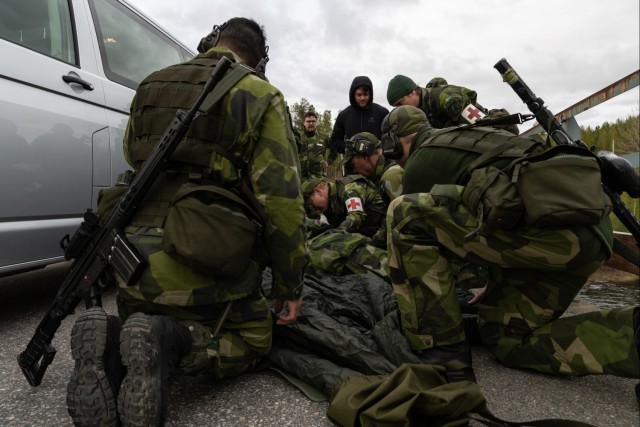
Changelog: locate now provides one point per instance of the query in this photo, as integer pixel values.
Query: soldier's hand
(287, 310)
(478, 295)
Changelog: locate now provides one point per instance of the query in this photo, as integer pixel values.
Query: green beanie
(407, 119)
(399, 86)
(307, 187)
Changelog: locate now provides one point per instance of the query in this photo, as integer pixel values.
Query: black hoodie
(353, 119)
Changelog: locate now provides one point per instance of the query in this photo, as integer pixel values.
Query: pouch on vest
(561, 187)
(493, 198)
(209, 229)
(108, 197)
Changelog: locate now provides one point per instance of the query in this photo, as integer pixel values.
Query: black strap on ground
(491, 420)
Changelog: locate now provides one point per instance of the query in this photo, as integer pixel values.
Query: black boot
(456, 358)
(93, 387)
(151, 348)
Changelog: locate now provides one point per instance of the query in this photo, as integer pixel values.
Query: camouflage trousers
(534, 275)
(198, 301)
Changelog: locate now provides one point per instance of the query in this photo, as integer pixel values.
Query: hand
(478, 295)
(291, 313)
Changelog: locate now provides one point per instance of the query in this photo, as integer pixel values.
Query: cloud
(564, 50)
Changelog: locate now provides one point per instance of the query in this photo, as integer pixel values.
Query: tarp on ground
(348, 326)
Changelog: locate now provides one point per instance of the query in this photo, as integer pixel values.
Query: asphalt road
(264, 398)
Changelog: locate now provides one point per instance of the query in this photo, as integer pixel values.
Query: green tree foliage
(623, 136)
(325, 124)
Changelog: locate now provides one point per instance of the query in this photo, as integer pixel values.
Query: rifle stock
(97, 246)
(554, 129)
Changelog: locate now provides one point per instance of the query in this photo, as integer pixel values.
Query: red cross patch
(471, 113)
(354, 204)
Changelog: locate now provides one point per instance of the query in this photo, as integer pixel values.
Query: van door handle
(74, 78)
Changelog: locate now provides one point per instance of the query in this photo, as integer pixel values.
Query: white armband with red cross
(354, 204)
(471, 113)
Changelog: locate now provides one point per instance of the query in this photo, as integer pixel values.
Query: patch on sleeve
(471, 113)
(354, 204)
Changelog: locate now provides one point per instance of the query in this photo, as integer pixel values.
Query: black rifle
(617, 174)
(99, 246)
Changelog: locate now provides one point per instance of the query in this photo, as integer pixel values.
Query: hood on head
(357, 82)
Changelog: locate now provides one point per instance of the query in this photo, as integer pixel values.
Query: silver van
(68, 70)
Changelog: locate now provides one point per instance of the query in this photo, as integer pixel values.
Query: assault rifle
(99, 246)
(617, 173)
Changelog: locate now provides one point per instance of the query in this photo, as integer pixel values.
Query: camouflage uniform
(534, 274)
(251, 123)
(445, 105)
(355, 205)
(337, 252)
(312, 149)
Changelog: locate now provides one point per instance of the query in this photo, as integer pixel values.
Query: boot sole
(90, 398)
(139, 400)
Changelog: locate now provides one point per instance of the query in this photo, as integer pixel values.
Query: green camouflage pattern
(451, 100)
(312, 153)
(388, 177)
(367, 221)
(534, 274)
(406, 119)
(337, 252)
(255, 128)
(253, 125)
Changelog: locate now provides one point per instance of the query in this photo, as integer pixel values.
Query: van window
(131, 48)
(40, 25)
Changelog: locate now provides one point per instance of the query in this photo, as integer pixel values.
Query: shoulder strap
(225, 85)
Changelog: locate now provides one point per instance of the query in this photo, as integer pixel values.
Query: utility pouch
(493, 198)
(561, 187)
(108, 197)
(210, 229)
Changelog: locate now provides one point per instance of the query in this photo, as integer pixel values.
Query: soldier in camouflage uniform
(363, 153)
(177, 317)
(534, 273)
(445, 105)
(312, 149)
(351, 204)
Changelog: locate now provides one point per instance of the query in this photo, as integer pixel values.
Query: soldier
(445, 105)
(312, 149)
(180, 315)
(363, 152)
(534, 272)
(350, 204)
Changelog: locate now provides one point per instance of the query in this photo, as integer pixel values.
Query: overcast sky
(565, 50)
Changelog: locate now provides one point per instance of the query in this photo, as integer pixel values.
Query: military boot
(456, 358)
(93, 386)
(151, 347)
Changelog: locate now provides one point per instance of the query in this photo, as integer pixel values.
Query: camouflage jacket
(312, 152)
(450, 105)
(388, 177)
(251, 123)
(355, 205)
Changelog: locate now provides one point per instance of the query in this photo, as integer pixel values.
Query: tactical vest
(493, 146)
(155, 108)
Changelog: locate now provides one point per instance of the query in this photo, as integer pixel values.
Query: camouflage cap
(407, 119)
(360, 143)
